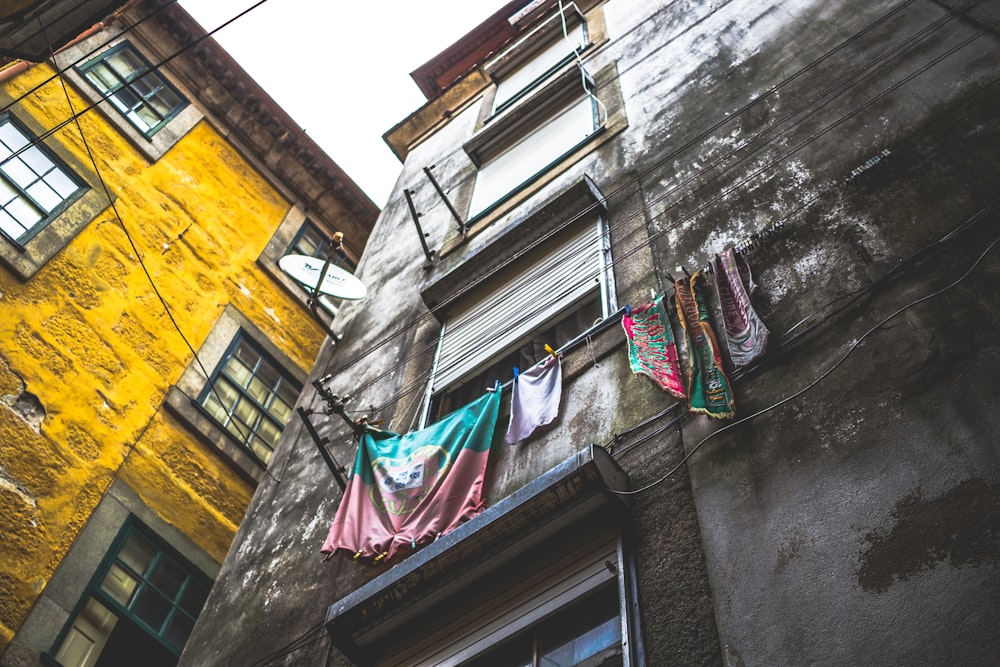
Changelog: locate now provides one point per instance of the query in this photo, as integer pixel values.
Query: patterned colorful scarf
(651, 347)
(745, 332)
(708, 387)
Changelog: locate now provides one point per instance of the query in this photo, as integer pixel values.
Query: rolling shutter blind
(524, 301)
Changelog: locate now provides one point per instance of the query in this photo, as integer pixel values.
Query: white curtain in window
(523, 75)
(533, 152)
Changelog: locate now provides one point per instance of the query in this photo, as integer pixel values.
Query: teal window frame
(135, 90)
(21, 175)
(162, 554)
(249, 436)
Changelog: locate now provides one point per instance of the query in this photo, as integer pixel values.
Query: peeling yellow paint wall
(87, 352)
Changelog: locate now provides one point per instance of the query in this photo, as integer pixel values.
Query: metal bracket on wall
(447, 202)
(337, 469)
(428, 253)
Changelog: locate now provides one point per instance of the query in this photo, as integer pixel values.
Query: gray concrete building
(566, 165)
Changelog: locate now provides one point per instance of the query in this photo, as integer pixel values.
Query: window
(587, 632)
(312, 242)
(250, 397)
(551, 297)
(142, 601)
(532, 59)
(142, 95)
(518, 157)
(35, 186)
(543, 576)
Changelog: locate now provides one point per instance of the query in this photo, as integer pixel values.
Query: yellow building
(151, 350)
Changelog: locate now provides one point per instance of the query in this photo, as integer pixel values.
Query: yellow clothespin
(381, 556)
(548, 348)
(356, 556)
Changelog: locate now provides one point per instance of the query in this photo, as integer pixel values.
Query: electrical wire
(59, 72)
(815, 382)
(502, 265)
(138, 255)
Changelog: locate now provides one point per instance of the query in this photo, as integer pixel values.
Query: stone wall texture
(848, 514)
(87, 351)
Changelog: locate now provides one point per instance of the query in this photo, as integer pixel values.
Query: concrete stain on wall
(960, 528)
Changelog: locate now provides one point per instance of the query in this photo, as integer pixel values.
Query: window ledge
(184, 408)
(383, 614)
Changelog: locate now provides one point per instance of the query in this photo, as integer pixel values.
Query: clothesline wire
(830, 90)
(104, 96)
(621, 257)
(786, 343)
(59, 72)
(816, 381)
(643, 208)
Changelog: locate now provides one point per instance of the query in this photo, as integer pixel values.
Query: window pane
(194, 597)
(26, 214)
(37, 160)
(247, 355)
(10, 226)
(19, 172)
(87, 636)
(532, 153)
(269, 433)
(103, 78)
(281, 411)
(137, 554)
(147, 116)
(246, 412)
(238, 372)
(260, 391)
(179, 630)
(61, 183)
(125, 62)
(152, 608)
(12, 137)
(120, 584)
(44, 196)
(167, 578)
(262, 451)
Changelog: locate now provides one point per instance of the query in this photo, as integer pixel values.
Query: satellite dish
(337, 282)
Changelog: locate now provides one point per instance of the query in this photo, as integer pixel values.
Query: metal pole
(416, 221)
(447, 202)
(337, 469)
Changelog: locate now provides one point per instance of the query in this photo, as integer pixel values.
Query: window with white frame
(520, 156)
(142, 601)
(544, 108)
(569, 612)
(552, 296)
(137, 91)
(35, 186)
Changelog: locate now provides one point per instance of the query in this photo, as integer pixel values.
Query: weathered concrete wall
(87, 352)
(852, 525)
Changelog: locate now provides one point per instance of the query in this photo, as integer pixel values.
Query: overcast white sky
(341, 69)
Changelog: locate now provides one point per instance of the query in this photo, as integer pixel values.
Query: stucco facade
(848, 514)
(90, 352)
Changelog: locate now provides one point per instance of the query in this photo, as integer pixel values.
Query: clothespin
(496, 385)
(548, 348)
(356, 556)
(684, 269)
(628, 311)
(652, 294)
(413, 543)
(516, 373)
(381, 556)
